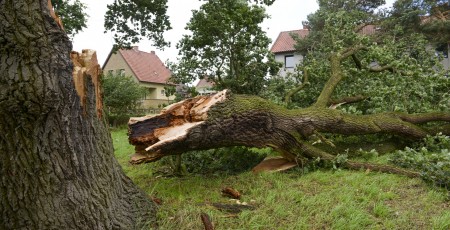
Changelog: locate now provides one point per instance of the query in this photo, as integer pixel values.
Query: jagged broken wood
(227, 119)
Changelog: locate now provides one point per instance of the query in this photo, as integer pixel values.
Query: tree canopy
(388, 69)
(72, 15)
(131, 21)
(227, 45)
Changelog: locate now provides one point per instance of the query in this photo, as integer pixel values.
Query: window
(289, 61)
(120, 72)
(163, 92)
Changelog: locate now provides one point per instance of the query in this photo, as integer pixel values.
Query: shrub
(430, 157)
(230, 160)
(121, 96)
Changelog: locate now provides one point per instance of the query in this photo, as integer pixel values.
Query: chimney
(305, 25)
(152, 52)
(136, 48)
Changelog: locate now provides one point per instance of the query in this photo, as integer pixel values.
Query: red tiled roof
(147, 67)
(285, 42)
(205, 83)
(368, 29)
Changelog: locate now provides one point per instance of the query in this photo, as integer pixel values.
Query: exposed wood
(274, 164)
(231, 192)
(53, 14)
(86, 70)
(206, 221)
(171, 126)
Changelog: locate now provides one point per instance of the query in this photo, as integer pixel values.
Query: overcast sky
(284, 15)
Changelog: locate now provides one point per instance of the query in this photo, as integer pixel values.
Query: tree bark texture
(57, 167)
(226, 119)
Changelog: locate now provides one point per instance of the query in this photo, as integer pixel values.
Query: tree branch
(330, 85)
(334, 103)
(378, 69)
(350, 51)
(357, 61)
(336, 74)
(295, 90)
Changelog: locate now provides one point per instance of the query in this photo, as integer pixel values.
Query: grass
(322, 199)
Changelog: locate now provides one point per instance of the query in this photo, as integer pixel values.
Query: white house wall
(280, 57)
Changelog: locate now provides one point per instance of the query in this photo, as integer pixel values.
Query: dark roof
(285, 42)
(147, 67)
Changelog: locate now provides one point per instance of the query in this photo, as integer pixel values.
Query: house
(144, 67)
(285, 52)
(284, 49)
(205, 87)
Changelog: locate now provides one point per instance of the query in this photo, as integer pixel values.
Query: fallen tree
(226, 119)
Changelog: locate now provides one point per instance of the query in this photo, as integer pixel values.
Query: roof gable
(205, 83)
(285, 42)
(147, 67)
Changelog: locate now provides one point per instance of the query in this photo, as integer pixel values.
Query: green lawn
(317, 200)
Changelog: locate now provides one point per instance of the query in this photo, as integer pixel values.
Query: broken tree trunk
(226, 119)
(57, 165)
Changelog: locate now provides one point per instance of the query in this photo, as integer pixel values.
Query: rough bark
(226, 119)
(57, 168)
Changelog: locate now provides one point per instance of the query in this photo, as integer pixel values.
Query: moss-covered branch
(226, 119)
(335, 77)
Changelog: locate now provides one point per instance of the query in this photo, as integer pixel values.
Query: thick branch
(335, 78)
(336, 74)
(226, 119)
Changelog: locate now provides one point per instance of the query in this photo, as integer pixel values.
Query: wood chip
(230, 192)
(206, 221)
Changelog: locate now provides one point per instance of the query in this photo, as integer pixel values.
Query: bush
(121, 95)
(431, 158)
(230, 160)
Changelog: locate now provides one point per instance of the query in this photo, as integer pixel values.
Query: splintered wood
(86, 70)
(171, 125)
(53, 14)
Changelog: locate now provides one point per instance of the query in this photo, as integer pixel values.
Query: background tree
(227, 45)
(57, 167)
(393, 71)
(378, 84)
(72, 15)
(122, 95)
(429, 18)
(132, 21)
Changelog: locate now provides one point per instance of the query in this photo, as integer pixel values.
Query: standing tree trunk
(57, 168)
